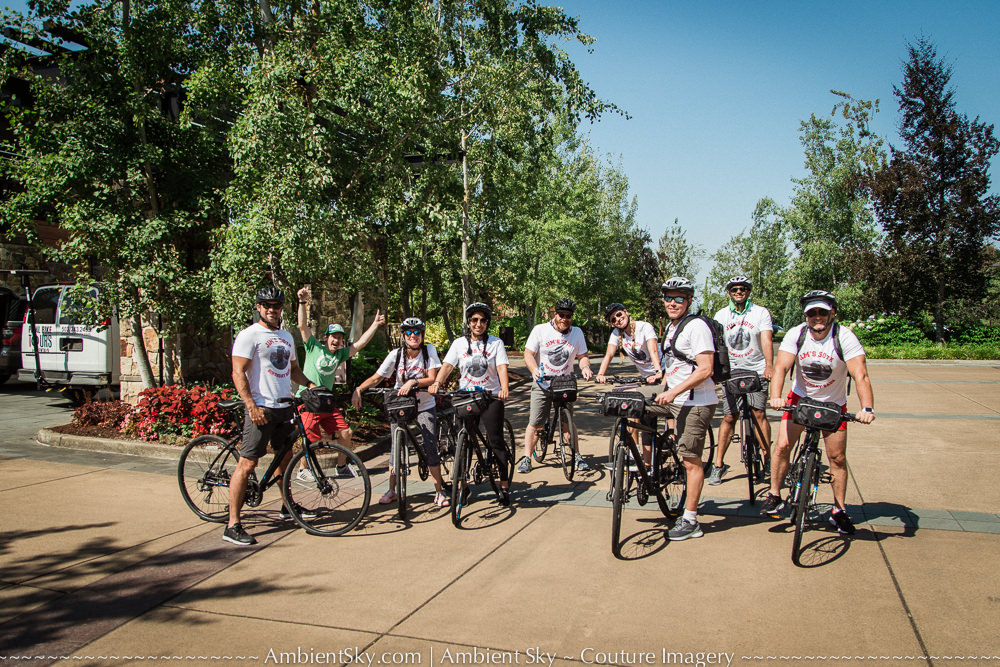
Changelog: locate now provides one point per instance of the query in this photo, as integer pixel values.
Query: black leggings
(492, 418)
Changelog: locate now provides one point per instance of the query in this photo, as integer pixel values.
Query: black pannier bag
(623, 404)
(318, 399)
(563, 387)
(469, 403)
(400, 409)
(817, 414)
(743, 382)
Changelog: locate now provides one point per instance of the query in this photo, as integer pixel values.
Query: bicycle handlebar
(622, 379)
(845, 417)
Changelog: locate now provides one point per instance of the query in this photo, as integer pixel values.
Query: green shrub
(930, 350)
(886, 329)
(978, 335)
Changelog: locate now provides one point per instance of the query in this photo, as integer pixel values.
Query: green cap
(334, 328)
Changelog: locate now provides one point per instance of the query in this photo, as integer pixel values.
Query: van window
(45, 301)
(78, 311)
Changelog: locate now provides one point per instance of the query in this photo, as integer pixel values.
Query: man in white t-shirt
(824, 354)
(264, 362)
(551, 349)
(690, 395)
(748, 333)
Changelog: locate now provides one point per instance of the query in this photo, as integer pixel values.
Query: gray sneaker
(717, 472)
(684, 529)
(581, 464)
(525, 466)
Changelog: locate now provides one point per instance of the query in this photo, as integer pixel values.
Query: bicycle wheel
(543, 435)
(613, 440)
(748, 441)
(399, 465)
(566, 439)
(491, 464)
(708, 454)
(511, 444)
(461, 493)
(203, 471)
(673, 484)
(803, 494)
(617, 500)
(328, 504)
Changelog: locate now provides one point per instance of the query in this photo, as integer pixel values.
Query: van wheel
(4, 377)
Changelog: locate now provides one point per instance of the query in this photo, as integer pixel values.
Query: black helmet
(739, 280)
(270, 293)
(613, 308)
(818, 297)
(412, 323)
(678, 284)
(565, 304)
(478, 307)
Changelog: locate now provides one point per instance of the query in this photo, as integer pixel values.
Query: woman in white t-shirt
(482, 363)
(638, 340)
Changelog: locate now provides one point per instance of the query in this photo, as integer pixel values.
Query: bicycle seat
(230, 405)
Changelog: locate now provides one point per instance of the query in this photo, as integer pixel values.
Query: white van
(70, 353)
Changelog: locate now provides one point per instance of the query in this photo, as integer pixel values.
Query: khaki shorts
(539, 407)
(692, 423)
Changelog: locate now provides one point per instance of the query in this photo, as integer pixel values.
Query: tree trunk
(465, 227)
(939, 313)
(139, 353)
(447, 324)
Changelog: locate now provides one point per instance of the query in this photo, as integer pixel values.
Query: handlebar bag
(469, 403)
(623, 404)
(817, 414)
(318, 399)
(563, 387)
(743, 382)
(400, 409)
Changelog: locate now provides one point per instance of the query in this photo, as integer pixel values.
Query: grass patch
(932, 351)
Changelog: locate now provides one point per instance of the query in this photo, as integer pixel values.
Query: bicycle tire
(399, 465)
(461, 492)
(708, 453)
(339, 503)
(203, 472)
(617, 500)
(511, 444)
(673, 489)
(566, 449)
(542, 437)
(803, 495)
(748, 442)
(612, 441)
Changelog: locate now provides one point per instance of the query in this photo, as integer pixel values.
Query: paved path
(101, 561)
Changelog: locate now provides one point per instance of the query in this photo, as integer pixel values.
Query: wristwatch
(868, 410)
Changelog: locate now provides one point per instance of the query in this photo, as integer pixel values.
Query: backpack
(390, 381)
(836, 348)
(721, 370)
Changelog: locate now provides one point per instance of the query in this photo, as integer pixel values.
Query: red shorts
(793, 399)
(317, 422)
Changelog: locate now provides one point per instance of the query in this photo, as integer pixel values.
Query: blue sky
(717, 90)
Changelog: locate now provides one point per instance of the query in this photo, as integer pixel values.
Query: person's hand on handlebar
(587, 373)
(408, 386)
(865, 417)
(777, 403)
(655, 377)
(601, 378)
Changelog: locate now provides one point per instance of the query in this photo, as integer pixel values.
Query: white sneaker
(305, 475)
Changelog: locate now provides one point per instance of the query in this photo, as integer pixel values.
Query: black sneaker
(842, 522)
(236, 535)
(773, 506)
(503, 498)
(299, 509)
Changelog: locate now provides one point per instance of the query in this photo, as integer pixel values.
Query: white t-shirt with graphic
(743, 336)
(555, 352)
(636, 348)
(271, 354)
(411, 369)
(477, 362)
(694, 339)
(820, 373)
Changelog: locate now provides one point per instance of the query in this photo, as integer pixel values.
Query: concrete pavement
(102, 563)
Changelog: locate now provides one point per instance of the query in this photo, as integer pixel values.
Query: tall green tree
(933, 198)
(676, 255)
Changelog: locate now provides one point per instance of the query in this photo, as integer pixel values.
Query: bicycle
(474, 459)
(335, 505)
(739, 386)
(562, 390)
(402, 411)
(805, 475)
(447, 430)
(664, 476)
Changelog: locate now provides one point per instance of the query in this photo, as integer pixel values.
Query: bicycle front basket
(817, 414)
(623, 404)
(318, 399)
(469, 403)
(743, 382)
(563, 387)
(400, 409)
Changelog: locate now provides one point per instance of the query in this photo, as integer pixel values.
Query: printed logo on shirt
(327, 365)
(636, 352)
(476, 366)
(558, 355)
(739, 339)
(817, 372)
(279, 356)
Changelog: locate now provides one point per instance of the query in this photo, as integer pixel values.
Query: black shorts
(278, 430)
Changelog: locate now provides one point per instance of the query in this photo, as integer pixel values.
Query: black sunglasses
(816, 312)
(675, 299)
(738, 289)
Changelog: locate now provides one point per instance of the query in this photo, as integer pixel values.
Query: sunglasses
(272, 305)
(477, 320)
(675, 299)
(816, 312)
(620, 315)
(412, 332)
(564, 315)
(733, 290)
